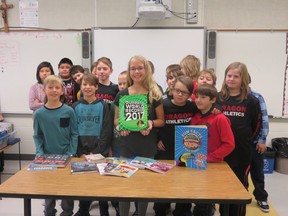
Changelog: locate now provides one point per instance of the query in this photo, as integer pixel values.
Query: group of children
(87, 126)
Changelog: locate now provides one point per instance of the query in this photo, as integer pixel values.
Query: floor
(276, 185)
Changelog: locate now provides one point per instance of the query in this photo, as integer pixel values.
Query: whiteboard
(162, 46)
(20, 54)
(264, 54)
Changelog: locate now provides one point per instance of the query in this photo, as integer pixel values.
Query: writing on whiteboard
(9, 53)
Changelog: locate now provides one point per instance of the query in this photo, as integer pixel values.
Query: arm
(73, 134)
(34, 102)
(256, 118)
(106, 131)
(38, 137)
(225, 137)
(261, 139)
(157, 122)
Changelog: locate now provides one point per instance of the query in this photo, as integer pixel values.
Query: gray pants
(66, 205)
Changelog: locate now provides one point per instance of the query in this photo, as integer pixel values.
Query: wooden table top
(216, 184)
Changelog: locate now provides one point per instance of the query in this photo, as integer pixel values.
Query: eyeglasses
(139, 69)
(178, 91)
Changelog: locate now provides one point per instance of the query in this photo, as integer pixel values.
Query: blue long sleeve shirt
(55, 131)
(265, 120)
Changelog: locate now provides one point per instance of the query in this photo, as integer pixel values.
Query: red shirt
(220, 136)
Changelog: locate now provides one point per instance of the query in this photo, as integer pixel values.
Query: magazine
(142, 162)
(83, 167)
(160, 167)
(123, 170)
(191, 146)
(95, 158)
(54, 160)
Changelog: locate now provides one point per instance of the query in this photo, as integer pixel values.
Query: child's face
(204, 103)
(180, 94)
(205, 78)
(64, 71)
(88, 89)
(122, 81)
(137, 71)
(53, 91)
(103, 72)
(170, 79)
(77, 77)
(233, 80)
(44, 72)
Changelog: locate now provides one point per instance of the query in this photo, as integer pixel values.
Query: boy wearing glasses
(178, 110)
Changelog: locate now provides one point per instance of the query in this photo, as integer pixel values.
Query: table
(217, 184)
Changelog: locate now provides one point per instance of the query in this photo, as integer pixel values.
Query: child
(144, 142)
(122, 84)
(71, 88)
(190, 65)
(178, 110)
(36, 93)
(172, 72)
(107, 90)
(94, 126)
(77, 72)
(220, 136)
(244, 112)
(206, 76)
(55, 132)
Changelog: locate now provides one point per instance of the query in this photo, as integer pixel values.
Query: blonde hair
(148, 83)
(244, 89)
(51, 79)
(191, 66)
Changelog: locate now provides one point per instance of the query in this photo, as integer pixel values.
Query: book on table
(52, 160)
(83, 167)
(191, 143)
(95, 158)
(142, 162)
(151, 164)
(123, 170)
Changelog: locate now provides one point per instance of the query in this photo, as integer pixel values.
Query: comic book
(52, 160)
(191, 146)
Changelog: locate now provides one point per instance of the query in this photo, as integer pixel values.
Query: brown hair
(206, 90)
(185, 80)
(244, 89)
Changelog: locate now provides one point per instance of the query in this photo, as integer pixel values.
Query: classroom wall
(214, 14)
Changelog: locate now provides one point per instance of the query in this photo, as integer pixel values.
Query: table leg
(27, 207)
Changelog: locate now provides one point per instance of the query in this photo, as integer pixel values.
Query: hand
(124, 133)
(147, 131)
(215, 111)
(161, 146)
(261, 148)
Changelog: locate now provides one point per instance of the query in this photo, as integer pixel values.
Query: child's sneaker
(263, 205)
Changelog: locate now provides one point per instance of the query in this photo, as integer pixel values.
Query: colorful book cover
(83, 167)
(52, 160)
(141, 162)
(191, 146)
(117, 160)
(123, 170)
(133, 112)
(160, 167)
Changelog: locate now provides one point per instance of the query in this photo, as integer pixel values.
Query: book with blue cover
(83, 167)
(191, 144)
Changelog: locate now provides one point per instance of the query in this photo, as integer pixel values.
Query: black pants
(257, 175)
(1, 161)
(103, 206)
